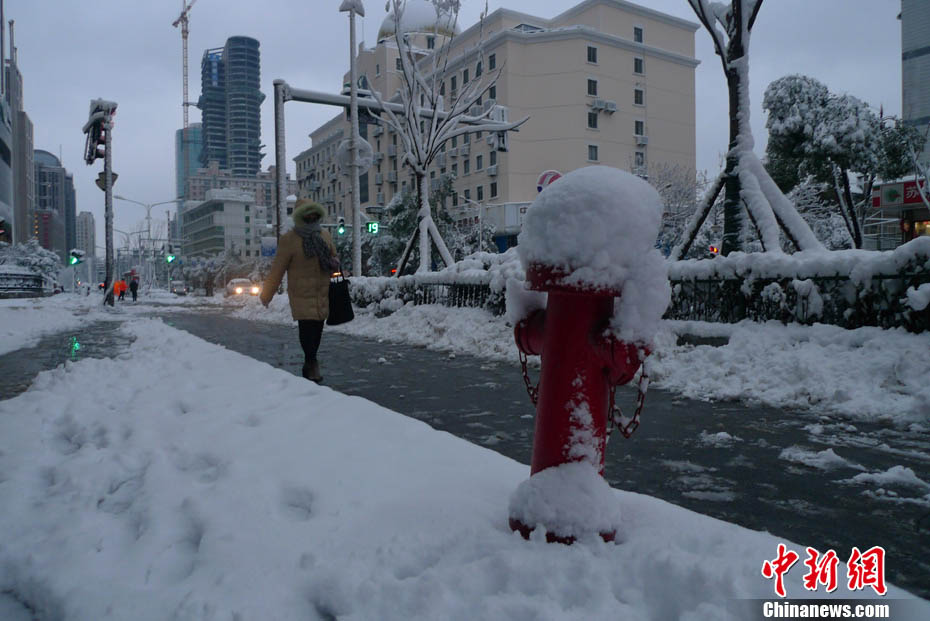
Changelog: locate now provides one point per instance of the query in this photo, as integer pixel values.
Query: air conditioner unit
(475, 111)
(392, 177)
(380, 199)
(642, 140)
(379, 178)
(454, 152)
(377, 131)
(465, 149)
(392, 150)
(610, 107)
(441, 160)
(378, 157)
(490, 103)
(490, 139)
(492, 171)
(599, 104)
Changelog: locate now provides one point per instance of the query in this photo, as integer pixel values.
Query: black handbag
(340, 304)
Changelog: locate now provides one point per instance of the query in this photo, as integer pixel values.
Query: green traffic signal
(75, 260)
(169, 258)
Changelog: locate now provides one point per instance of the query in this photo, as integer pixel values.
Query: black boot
(311, 371)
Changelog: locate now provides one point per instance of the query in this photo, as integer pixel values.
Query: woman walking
(308, 255)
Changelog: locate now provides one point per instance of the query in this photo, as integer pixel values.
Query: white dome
(418, 16)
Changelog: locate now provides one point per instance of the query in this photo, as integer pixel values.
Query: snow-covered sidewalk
(206, 485)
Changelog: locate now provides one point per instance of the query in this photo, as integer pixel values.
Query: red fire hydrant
(582, 361)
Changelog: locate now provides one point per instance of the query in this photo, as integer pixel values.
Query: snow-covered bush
(33, 257)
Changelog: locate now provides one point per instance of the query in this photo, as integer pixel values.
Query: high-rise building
(70, 213)
(21, 157)
(915, 68)
(230, 102)
(86, 233)
(604, 82)
(6, 173)
(191, 142)
(54, 184)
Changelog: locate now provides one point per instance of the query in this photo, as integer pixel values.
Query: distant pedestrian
(308, 255)
(121, 285)
(134, 288)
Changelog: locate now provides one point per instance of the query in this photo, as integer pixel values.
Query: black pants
(135, 294)
(310, 331)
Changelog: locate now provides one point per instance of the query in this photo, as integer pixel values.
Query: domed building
(604, 82)
(419, 17)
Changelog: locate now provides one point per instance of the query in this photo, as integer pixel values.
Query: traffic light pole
(108, 210)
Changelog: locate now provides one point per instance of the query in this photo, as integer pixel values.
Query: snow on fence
(847, 288)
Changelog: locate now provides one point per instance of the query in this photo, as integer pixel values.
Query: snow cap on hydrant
(595, 228)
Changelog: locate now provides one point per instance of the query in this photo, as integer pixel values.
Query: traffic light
(341, 226)
(170, 256)
(77, 256)
(99, 121)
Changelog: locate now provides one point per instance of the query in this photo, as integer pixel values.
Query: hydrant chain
(627, 427)
(532, 391)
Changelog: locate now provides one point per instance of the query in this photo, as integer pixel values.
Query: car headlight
(238, 289)
(254, 290)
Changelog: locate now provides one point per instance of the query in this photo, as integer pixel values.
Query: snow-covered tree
(750, 190)
(679, 187)
(432, 116)
(32, 256)
(813, 202)
(832, 138)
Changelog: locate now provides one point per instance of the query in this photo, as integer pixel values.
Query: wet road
(675, 455)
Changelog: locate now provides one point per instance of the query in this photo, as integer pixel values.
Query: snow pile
(866, 373)
(919, 298)
(826, 459)
(23, 321)
(571, 500)
(597, 226)
(896, 475)
(212, 486)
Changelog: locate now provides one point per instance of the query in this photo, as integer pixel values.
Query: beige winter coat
(307, 284)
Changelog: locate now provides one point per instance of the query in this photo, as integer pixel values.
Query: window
(464, 77)
(432, 174)
(592, 152)
(494, 189)
(455, 141)
(478, 136)
(638, 34)
(431, 43)
(466, 138)
(592, 54)
(479, 159)
(398, 64)
(480, 193)
(467, 194)
(638, 65)
(639, 97)
(466, 167)
(455, 170)
(592, 87)
(639, 128)
(492, 158)
(492, 92)
(478, 69)
(452, 85)
(455, 199)
(492, 62)
(640, 159)
(377, 69)
(592, 120)
(246, 218)
(442, 88)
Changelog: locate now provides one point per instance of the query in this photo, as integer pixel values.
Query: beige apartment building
(605, 82)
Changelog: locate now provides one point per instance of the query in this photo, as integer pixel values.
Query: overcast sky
(72, 51)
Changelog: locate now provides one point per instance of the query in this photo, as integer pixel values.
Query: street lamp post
(148, 219)
(353, 7)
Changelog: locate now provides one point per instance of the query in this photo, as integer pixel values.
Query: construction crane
(184, 23)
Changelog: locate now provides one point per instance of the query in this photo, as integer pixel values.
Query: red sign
(897, 194)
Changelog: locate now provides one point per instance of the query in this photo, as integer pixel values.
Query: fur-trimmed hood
(307, 207)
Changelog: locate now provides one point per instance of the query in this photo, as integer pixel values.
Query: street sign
(269, 246)
(101, 180)
(546, 179)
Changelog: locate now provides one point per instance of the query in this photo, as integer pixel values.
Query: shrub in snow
(570, 500)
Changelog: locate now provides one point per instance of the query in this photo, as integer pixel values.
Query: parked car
(242, 286)
(178, 287)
